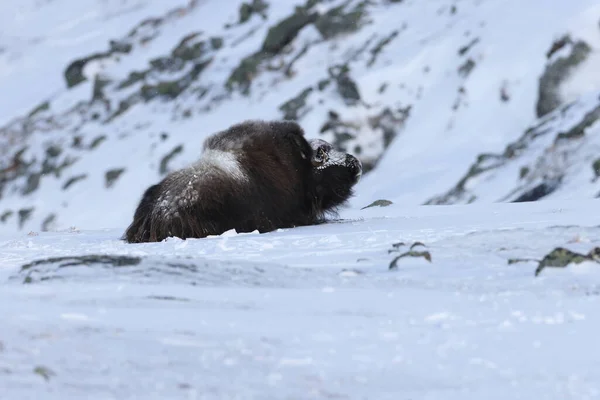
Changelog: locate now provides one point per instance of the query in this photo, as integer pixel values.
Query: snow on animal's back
(221, 161)
(184, 187)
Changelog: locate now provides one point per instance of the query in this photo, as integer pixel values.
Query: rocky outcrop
(561, 257)
(559, 68)
(561, 144)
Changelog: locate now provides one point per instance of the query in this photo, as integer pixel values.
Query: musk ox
(255, 175)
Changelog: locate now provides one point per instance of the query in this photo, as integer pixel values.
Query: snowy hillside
(102, 98)
(313, 312)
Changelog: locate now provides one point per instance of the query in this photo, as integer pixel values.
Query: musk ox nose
(355, 166)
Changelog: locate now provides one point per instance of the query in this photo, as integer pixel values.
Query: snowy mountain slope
(415, 89)
(548, 58)
(310, 312)
(40, 38)
(559, 157)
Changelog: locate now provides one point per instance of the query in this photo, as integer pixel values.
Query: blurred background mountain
(444, 101)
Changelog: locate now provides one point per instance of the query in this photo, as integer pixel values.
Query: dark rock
(556, 72)
(98, 88)
(578, 130)
(73, 180)
(77, 141)
(119, 47)
(465, 69)
(539, 191)
(55, 166)
(33, 182)
(241, 77)
(310, 4)
(133, 78)
(504, 94)
(44, 372)
(189, 48)
(286, 30)
(48, 222)
(323, 83)
(24, 215)
(164, 162)
(216, 42)
(380, 46)
(293, 107)
(247, 10)
(41, 108)
(288, 70)
(124, 105)
(16, 168)
(340, 20)
(71, 261)
(561, 257)
(97, 141)
(50, 268)
(172, 89)
(596, 169)
(5, 216)
(378, 203)
(74, 72)
(558, 45)
(346, 87)
(463, 50)
(53, 151)
(111, 176)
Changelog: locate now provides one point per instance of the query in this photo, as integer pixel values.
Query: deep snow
(312, 312)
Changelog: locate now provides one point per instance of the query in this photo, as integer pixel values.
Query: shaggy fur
(255, 175)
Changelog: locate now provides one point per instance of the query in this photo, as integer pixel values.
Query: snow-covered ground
(311, 312)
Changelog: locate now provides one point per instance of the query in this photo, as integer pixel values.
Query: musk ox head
(335, 173)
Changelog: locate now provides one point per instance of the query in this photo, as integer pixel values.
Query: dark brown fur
(283, 187)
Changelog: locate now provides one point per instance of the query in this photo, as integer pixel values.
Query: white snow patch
(74, 317)
(225, 161)
(296, 362)
(585, 79)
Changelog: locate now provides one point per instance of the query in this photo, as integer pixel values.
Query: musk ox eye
(320, 157)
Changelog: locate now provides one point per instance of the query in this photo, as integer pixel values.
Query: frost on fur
(255, 175)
